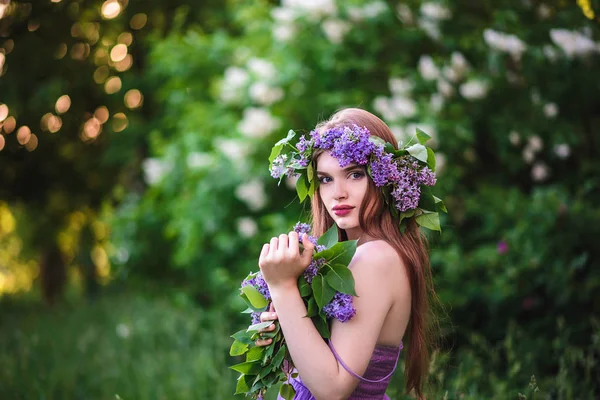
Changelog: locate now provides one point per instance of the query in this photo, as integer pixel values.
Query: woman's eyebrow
(347, 169)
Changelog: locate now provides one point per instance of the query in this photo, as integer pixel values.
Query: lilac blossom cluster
(315, 265)
(340, 307)
(407, 190)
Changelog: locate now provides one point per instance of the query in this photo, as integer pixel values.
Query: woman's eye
(356, 175)
(324, 179)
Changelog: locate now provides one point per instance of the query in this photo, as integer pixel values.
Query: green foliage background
(516, 126)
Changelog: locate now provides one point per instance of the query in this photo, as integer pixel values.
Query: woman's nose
(340, 191)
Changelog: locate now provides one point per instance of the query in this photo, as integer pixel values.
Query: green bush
(508, 91)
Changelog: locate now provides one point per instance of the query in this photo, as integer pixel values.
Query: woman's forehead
(327, 163)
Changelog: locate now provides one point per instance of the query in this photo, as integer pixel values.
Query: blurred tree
(75, 107)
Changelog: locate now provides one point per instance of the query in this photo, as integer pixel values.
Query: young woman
(392, 278)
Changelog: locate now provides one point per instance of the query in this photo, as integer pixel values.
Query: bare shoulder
(376, 255)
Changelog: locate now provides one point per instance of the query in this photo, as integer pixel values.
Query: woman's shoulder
(376, 254)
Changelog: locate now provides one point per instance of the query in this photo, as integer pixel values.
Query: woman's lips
(342, 211)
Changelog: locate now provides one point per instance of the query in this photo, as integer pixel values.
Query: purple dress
(375, 381)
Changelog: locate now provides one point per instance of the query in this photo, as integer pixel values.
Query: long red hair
(377, 221)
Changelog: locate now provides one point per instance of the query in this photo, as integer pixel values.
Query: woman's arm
(353, 340)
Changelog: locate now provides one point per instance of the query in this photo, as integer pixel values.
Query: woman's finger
(263, 342)
(273, 246)
(268, 316)
(263, 252)
(293, 246)
(283, 243)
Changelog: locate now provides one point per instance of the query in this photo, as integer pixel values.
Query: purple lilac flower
(304, 144)
(340, 307)
(313, 268)
(278, 167)
(301, 228)
(259, 283)
(353, 146)
(502, 247)
(427, 177)
(255, 317)
(384, 169)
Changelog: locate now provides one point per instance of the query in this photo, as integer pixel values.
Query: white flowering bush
(509, 94)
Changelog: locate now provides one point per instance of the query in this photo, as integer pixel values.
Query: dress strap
(337, 357)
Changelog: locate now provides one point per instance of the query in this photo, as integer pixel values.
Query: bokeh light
(2, 60)
(138, 21)
(80, 51)
(124, 64)
(125, 38)
(102, 114)
(23, 134)
(32, 143)
(9, 125)
(100, 74)
(63, 104)
(133, 99)
(2, 142)
(111, 9)
(61, 51)
(101, 56)
(9, 45)
(33, 25)
(119, 122)
(51, 123)
(3, 112)
(92, 128)
(112, 85)
(118, 53)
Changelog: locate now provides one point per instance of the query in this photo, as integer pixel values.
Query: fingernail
(273, 315)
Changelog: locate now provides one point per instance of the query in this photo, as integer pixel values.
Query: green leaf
(406, 214)
(389, 148)
(439, 204)
(259, 326)
(431, 159)
(330, 237)
(313, 187)
(310, 172)
(426, 202)
(312, 308)
(376, 140)
(342, 252)
(287, 391)
(422, 137)
(429, 221)
(322, 291)
(322, 326)
(304, 286)
(256, 299)
(242, 336)
(238, 348)
(272, 334)
(242, 386)
(278, 359)
(255, 353)
(248, 367)
(418, 151)
(269, 351)
(302, 186)
(275, 151)
(340, 278)
(248, 310)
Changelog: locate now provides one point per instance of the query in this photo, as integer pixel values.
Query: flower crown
(405, 175)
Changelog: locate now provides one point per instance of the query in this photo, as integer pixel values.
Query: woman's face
(342, 190)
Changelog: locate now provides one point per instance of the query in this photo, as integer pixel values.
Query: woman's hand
(281, 262)
(270, 315)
